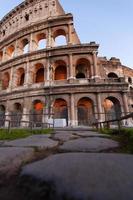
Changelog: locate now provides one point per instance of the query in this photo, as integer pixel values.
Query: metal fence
(36, 120)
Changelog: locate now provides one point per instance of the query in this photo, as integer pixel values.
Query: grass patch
(21, 133)
(125, 138)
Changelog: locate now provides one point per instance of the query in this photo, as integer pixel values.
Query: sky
(107, 22)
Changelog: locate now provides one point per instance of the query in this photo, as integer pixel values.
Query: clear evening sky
(108, 22)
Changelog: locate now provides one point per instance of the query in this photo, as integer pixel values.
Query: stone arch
(112, 108)
(10, 51)
(60, 38)
(5, 80)
(112, 75)
(83, 68)
(20, 76)
(130, 80)
(60, 70)
(36, 112)
(41, 40)
(2, 115)
(16, 115)
(85, 111)
(39, 73)
(24, 46)
(60, 108)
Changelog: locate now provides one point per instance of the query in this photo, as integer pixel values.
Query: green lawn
(21, 133)
(124, 137)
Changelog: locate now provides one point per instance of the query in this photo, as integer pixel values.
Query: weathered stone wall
(67, 80)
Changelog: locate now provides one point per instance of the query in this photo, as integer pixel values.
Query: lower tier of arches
(74, 109)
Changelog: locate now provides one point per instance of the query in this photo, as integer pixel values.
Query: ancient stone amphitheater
(45, 71)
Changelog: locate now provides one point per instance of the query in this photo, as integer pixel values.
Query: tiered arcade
(44, 68)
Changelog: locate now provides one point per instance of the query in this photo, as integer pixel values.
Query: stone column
(30, 43)
(11, 80)
(16, 48)
(26, 112)
(125, 103)
(25, 117)
(69, 34)
(7, 114)
(99, 107)
(4, 55)
(71, 70)
(28, 74)
(96, 70)
(50, 41)
(72, 120)
(47, 69)
(129, 121)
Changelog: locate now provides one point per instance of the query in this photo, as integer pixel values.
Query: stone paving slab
(38, 141)
(80, 176)
(64, 136)
(91, 134)
(11, 158)
(93, 144)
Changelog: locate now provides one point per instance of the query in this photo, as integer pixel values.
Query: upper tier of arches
(48, 37)
(29, 12)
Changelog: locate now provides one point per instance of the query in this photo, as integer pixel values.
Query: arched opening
(60, 109)
(16, 115)
(80, 75)
(60, 71)
(130, 80)
(39, 75)
(112, 75)
(85, 110)
(60, 38)
(10, 51)
(21, 77)
(24, 46)
(41, 41)
(83, 69)
(37, 113)
(2, 115)
(1, 56)
(5, 80)
(112, 108)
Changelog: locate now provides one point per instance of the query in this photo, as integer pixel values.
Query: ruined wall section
(28, 13)
(114, 66)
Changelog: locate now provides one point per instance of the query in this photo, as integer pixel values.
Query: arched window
(83, 69)
(24, 46)
(1, 56)
(85, 110)
(60, 38)
(80, 75)
(39, 73)
(36, 113)
(41, 41)
(2, 115)
(60, 109)
(60, 70)
(130, 80)
(10, 51)
(5, 80)
(20, 77)
(112, 108)
(112, 75)
(16, 115)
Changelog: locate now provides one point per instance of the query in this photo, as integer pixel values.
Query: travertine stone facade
(39, 74)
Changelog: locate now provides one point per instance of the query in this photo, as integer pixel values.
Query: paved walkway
(78, 169)
(20, 151)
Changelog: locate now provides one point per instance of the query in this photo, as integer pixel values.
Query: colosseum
(46, 73)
